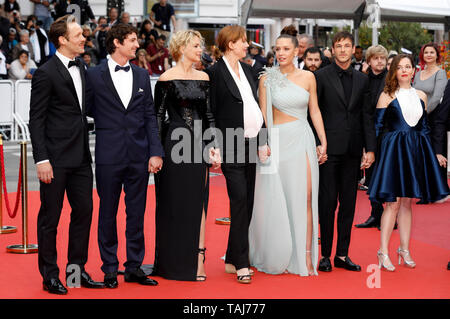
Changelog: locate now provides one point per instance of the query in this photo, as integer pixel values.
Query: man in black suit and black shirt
(343, 96)
(59, 136)
(376, 57)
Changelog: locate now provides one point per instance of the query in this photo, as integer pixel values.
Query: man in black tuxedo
(119, 98)
(344, 101)
(376, 57)
(59, 135)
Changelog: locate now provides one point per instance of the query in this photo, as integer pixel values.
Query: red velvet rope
(16, 206)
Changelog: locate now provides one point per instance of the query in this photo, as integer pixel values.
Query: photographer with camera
(99, 34)
(42, 10)
(158, 56)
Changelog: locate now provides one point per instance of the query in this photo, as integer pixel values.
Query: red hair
(422, 50)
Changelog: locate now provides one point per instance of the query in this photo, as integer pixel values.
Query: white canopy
(325, 9)
(411, 9)
(437, 11)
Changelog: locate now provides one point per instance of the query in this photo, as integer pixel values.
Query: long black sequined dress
(184, 115)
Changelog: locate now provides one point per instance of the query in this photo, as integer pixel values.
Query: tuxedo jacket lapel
(229, 80)
(83, 85)
(109, 83)
(135, 84)
(337, 84)
(68, 79)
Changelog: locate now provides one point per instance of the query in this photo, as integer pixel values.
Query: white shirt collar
(65, 60)
(112, 64)
(234, 75)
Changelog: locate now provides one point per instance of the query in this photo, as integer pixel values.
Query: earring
(182, 58)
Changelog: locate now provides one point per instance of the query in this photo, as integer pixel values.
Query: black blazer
(350, 127)
(227, 106)
(58, 124)
(439, 120)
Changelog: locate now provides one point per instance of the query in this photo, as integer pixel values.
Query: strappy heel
(244, 279)
(381, 259)
(202, 251)
(232, 270)
(411, 263)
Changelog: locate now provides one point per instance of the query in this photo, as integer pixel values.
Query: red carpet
(430, 247)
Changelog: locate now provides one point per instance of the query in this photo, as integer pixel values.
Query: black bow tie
(347, 72)
(74, 63)
(125, 68)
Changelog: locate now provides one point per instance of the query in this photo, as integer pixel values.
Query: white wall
(134, 7)
(218, 8)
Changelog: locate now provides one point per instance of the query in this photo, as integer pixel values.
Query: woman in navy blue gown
(407, 166)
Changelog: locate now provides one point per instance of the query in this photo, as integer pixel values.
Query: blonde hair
(376, 50)
(182, 38)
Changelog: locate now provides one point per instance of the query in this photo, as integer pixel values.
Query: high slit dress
(278, 229)
(183, 182)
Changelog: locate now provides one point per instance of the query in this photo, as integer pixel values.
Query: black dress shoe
(369, 223)
(325, 264)
(54, 286)
(87, 282)
(346, 263)
(139, 277)
(110, 280)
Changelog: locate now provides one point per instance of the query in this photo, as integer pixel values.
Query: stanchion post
(25, 248)
(3, 229)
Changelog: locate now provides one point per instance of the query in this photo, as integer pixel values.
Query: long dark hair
(391, 78)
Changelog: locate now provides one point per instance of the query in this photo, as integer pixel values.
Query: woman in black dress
(182, 185)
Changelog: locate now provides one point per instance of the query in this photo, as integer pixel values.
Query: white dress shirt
(123, 81)
(253, 119)
(75, 75)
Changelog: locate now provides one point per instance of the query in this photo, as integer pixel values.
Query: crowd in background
(24, 44)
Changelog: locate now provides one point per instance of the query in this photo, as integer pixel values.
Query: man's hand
(45, 172)
(155, 164)
(322, 156)
(367, 159)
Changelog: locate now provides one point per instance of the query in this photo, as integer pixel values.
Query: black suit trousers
(77, 183)
(240, 181)
(338, 182)
(133, 178)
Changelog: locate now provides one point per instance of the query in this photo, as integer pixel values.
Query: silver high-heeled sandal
(381, 259)
(411, 263)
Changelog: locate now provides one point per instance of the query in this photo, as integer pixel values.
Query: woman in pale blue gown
(283, 231)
